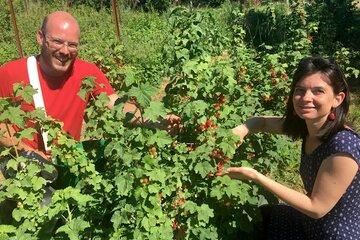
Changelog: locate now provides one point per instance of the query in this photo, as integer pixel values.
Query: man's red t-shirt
(60, 98)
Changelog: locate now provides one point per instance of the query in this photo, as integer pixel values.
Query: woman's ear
(339, 98)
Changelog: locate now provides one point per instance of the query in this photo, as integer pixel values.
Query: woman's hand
(242, 173)
(240, 131)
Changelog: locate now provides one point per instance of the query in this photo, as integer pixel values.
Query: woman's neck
(314, 127)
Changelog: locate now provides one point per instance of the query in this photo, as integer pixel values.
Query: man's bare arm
(129, 107)
(7, 139)
(171, 123)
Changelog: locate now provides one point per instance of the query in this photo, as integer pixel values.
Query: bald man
(60, 75)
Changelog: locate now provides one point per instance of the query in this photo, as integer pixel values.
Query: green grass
(354, 116)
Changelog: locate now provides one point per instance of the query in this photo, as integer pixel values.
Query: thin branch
(116, 18)
(11, 139)
(16, 31)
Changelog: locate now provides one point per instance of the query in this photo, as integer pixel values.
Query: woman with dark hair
(316, 111)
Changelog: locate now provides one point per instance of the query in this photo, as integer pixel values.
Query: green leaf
(154, 188)
(209, 232)
(158, 175)
(82, 94)
(26, 133)
(49, 168)
(74, 228)
(150, 161)
(182, 53)
(160, 138)
(70, 192)
(130, 77)
(245, 163)
(145, 223)
(33, 169)
(37, 182)
(5, 152)
(14, 190)
(205, 213)
(195, 108)
(154, 111)
(217, 192)
(18, 214)
(26, 93)
(190, 67)
(7, 229)
(87, 85)
(190, 206)
(13, 115)
(143, 94)
(229, 150)
(116, 219)
(203, 168)
(12, 164)
(124, 184)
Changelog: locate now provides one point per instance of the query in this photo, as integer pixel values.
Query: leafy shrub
(209, 3)
(157, 5)
(140, 183)
(96, 4)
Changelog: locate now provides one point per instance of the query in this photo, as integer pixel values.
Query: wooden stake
(26, 2)
(116, 18)
(16, 31)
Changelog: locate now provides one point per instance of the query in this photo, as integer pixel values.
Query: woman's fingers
(241, 173)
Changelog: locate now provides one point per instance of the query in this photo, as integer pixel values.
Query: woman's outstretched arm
(268, 124)
(333, 178)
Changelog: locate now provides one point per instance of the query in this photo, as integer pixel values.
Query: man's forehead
(62, 23)
(63, 28)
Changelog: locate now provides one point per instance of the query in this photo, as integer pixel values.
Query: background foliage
(214, 67)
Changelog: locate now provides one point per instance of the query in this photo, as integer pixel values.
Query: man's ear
(339, 98)
(40, 37)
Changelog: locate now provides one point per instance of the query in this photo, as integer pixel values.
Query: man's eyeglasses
(58, 43)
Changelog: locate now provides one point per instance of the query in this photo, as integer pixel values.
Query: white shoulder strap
(38, 96)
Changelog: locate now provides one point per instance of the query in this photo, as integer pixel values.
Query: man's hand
(25, 147)
(173, 124)
(2, 178)
(10, 142)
